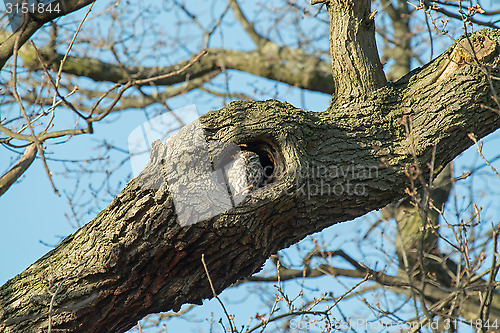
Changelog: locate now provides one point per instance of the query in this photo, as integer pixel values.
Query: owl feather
(245, 173)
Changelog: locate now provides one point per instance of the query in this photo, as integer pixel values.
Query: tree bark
(135, 258)
(11, 176)
(33, 22)
(353, 50)
(280, 63)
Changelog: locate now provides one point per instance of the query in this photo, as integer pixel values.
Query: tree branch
(460, 17)
(18, 169)
(138, 232)
(142, 253)
(249, 27)
(287, 65)
(353, 50)
(35, 22)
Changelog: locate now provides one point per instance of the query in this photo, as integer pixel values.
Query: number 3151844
(38, 8)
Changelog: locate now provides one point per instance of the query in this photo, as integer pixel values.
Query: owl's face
(245, 173)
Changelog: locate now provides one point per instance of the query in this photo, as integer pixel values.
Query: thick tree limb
(135, 258)
(136, 243)
(283, 64)
(355, 60)
(269, 60)
(35, 22)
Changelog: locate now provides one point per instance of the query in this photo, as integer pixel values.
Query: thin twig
(37, 141)
(231, 324)
(479, 147)
(58, 78)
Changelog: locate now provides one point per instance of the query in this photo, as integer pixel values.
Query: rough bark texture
(134, 258)
(354, 54)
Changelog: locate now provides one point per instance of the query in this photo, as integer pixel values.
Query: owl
(245, 173)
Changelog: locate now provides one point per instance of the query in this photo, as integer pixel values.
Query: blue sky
(32, 214)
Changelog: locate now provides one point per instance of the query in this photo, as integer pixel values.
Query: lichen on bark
(135, 258)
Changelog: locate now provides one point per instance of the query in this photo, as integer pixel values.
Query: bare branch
(35, 22)
(18, 169)
(249, 27)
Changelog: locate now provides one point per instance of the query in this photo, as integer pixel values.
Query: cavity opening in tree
(270, 157)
